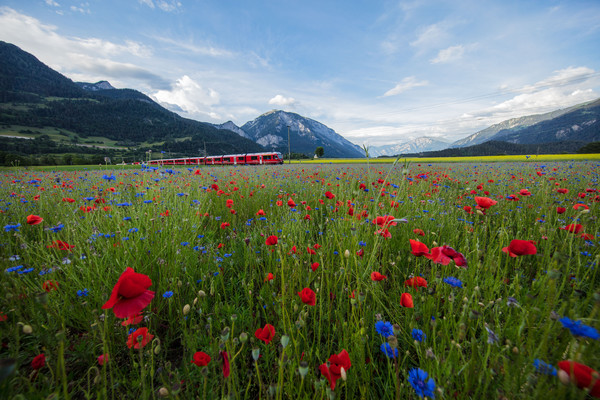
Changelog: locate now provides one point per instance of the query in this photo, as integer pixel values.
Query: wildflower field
(399, 281)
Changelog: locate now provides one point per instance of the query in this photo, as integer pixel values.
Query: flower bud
(285, 339)
(243, 337)
(563, 377)
(186, 309)
(303, 368)
(27, 329)
(347, 253)
(255, 353)
(163, 392)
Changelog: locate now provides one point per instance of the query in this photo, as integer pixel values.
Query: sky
(377, 72)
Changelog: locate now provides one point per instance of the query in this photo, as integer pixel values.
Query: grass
(209, 249)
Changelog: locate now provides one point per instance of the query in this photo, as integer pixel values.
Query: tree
(319, 151)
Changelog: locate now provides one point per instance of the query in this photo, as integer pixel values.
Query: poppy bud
(243, 337)
(563, 377)
(27, 329)
(303, 368)
(163, 392)
(343, 373)
(201, 293)
(255, 353)
(186, 309)
(285, 339)
(347, 253)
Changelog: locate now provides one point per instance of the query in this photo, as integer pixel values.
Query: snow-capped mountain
(101, 85)
(271, 131)
(512, 125)
(417, 145)
(230, 126)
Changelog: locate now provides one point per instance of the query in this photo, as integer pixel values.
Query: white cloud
(407, 83)
(452, 53)
(164, 5)
(52, 3)
(189, 96)
(430, 36)
(282, 101)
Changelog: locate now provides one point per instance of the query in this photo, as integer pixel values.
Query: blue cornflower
(109, 177)
(578, 329)
(9, 228)
(418, 335)
(132, 230)
(82, 293)
(385, 329)
(452, 281)
(388, 350)
(361, 243)
(543, 368)
(25, 271)
(417, 377)
(167, 294)
(13, 269)
(185, 243)
(56, 228)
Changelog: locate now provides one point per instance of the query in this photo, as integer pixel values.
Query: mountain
(230, 126)
(36, 99)
(417, 145)
(271, 131)
(519, 130)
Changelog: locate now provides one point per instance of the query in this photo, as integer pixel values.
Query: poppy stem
(259, 382)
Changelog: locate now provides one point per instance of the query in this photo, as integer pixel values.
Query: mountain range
(63, 116)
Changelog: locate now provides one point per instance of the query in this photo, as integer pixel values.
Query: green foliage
(319, 151)
(590, 148)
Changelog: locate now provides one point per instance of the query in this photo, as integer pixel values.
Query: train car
(265, 158)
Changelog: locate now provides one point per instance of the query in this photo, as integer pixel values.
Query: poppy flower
(68, 200)
(418, 248)
(329, 195)
(308, 296)
(579, 205)
(201, 359)
(265, 334)
(573, 228)
(587, 236)
(102, 359)
(406, 300)
(416, 282)
(133, 320)
(485, 202)
(384, 232)
(139, 338)
(520, 248)
(269, 277)
(130, 295)
(468, 209)
(59, 244)
(50, 285)
(226, 368)
(271, 240)
(458, 258)
(438, 256)
(314, 266)
(38, 361)
(224, 225)
(386, 220)
(562, 191)
(336, 363)
(376, 276)
(419, 232)
(560, 210)
(583, 376)
(524, 192)
(34, 219)
(260, 212)
(291, 203)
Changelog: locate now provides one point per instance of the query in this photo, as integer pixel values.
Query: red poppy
(68, 200)
(260, 212)
(438, 256)
(314, 266)
(573, 228)
(103, 359)
(520, 248)
(165, 214)
(563, 191)
(59, 244)
(386, 220)
(560, 210)
(329, 195)
(384, 232)
(583, 376)
(34, 219)
(38, 361)
(579, 205)
(458, 258)
(468, 209)
(139, 339)
(265, 334)
(336, 363)
(50, 285)
(416, 282)
(485, 202)
(587, 236)
(524, 192)
(406, 300)
(226, 369)
(291, 203)
(376, 276)
(130, 295)
(271, 240)
(269, 277)
(201, 359)
(224, 225)
(418, 248)
(419, 232)
(133, 320)
(308, 296)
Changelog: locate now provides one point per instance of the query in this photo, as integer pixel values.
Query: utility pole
(289, 147)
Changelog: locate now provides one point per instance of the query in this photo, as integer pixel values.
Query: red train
(273, 157)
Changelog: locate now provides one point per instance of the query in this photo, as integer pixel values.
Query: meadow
(305, 281)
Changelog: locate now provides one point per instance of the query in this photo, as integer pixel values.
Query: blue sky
(377, 72)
